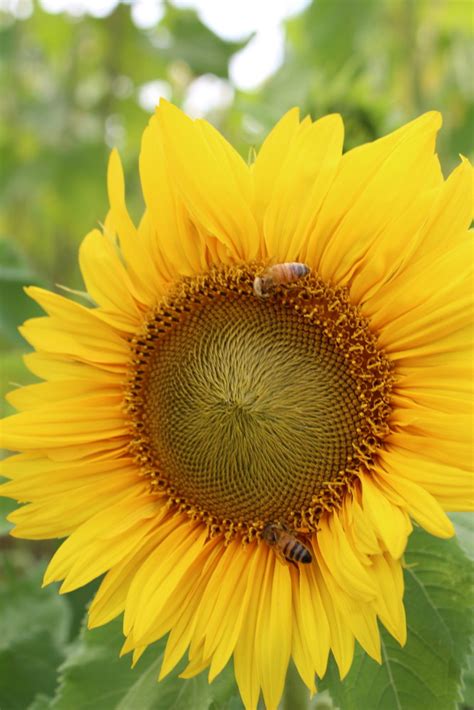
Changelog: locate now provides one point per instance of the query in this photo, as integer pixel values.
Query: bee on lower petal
(288, 547)
(286, 273)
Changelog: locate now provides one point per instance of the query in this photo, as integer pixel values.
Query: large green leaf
(34, 629)
(468, 684)
(94, 676)
(464, 524)
(427, 672)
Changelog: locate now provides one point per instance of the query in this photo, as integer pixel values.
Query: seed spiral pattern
(246, 410)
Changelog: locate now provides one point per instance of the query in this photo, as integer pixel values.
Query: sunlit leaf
(464, 524)
(427, 672)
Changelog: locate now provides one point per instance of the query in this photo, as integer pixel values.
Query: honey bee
(278, 274)
(288, 547)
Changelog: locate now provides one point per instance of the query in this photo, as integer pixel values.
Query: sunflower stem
(296, 695)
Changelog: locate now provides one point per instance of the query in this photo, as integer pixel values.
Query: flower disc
(250, 409)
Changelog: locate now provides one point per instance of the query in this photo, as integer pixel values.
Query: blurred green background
(78, 77)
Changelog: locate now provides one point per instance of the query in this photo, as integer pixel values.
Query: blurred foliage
(381, 64)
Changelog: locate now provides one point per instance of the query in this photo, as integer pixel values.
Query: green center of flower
(248, 410)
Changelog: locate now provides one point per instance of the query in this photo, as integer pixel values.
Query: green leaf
(34, 628)
(464, 524)
(427, 672)
(94, 676)
(41, 702)
(468, 684)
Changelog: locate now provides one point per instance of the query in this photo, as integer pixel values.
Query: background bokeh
(78, 77)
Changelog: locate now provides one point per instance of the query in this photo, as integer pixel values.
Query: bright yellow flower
(186, 412)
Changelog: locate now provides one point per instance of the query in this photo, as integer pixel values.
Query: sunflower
(219, 390)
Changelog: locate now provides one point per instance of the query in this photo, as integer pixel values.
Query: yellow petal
(389, 604)
(342, 638)
(441, 451)
(421, 505)
(123, 520)
(71, 312)
(449, 348)
(237, 610)
(301, 657)
(430, 398)
(195, 666)
(386, 518)
(270, 159)
(313, 620)
(308, 165)
(217, 591)
(342, 560)
(74, 330)
(160, 575)
(455, 375)
(19, 466)
(107, 279)
(214, 182)
(373, 183)
(68, 506)
(228, 607)
(38, 395)
(53, 367)
(99, 558)
(138, 262)
(450, 485)
(273, 632)
(301, 640)
(394, 247)
(170, 233)
(452, 212)
(434, 424)
(363, 535)
(182, 608)
(84, 420)
(245, 661)
(110, 598)
(420, 292)
(358, 615)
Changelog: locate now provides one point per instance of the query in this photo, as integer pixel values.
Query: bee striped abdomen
(286, 544)
(297, 552)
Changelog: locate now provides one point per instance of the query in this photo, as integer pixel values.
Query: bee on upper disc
(272, 277)
(287, 545)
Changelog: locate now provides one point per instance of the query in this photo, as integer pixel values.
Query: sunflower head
(246, 409)
(272, 384)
